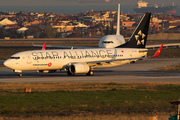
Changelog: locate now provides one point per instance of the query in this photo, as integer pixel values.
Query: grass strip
(85, 97)
(110, 116)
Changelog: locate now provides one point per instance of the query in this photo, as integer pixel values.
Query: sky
(75, 2)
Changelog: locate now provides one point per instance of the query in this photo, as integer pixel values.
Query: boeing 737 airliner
(83, 60)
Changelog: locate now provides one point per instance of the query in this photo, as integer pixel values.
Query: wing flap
(105, 62)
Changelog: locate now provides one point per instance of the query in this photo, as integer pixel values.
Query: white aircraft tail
(118, 21)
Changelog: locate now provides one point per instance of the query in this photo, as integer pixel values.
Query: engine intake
(79, 68)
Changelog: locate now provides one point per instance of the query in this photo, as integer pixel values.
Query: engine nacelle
(79, 68)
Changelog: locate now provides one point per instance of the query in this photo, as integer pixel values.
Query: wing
(94, 63)
(112, 62)
(104, 63)
(67, 47)
(171, 45)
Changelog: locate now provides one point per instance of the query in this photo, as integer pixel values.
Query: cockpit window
(14, 57)
(107, 42)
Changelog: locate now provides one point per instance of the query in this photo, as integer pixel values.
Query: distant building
(6, 21)
(128, 23)
(10, 26)
(38, 15)
(30, 37)
(22, 30)
(97, 19)
(173, 25)
(36, 22)
(156, 20)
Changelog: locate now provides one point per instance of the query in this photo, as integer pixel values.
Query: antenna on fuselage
(118, 21)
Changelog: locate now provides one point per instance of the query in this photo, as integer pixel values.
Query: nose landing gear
(18, 71)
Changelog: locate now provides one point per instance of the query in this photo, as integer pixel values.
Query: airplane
(84, 60)
(112, 41)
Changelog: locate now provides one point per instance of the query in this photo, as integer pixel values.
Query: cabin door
(28, 57)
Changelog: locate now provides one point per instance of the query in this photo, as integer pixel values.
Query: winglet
(44, 46)
(158, 52)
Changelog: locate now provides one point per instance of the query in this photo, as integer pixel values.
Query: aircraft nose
(7, 63)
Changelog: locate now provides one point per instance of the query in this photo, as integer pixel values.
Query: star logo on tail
(140, 38)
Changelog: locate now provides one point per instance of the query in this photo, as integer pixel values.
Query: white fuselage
(58, 59)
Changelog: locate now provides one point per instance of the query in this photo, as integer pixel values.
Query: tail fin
(139, 37)
(118, 21)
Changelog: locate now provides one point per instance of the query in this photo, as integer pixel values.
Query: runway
(138, 72)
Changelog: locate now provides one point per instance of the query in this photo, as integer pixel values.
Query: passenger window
(107, 42)
(15, 58)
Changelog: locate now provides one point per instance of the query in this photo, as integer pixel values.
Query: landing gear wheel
(90, 73)
(69, 73)
(20, 74)
(132, 62)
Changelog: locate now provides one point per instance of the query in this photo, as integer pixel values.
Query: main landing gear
(20, 74)
(132, 62)
(70, 73)
(90, 73)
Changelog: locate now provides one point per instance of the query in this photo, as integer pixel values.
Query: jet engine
(79, 68)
